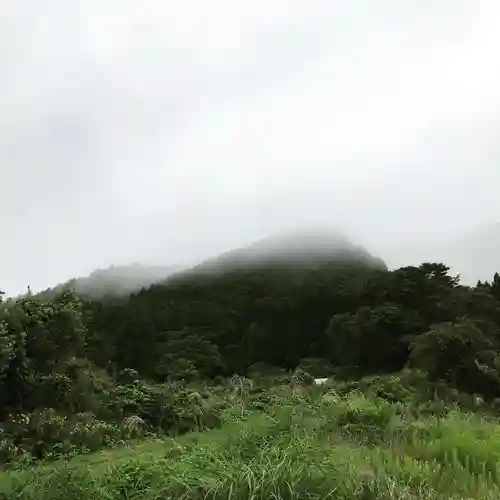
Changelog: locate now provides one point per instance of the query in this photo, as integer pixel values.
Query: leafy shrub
(459, 353)
(258, 370)
(152, 403)
(301, 377)
(363, 416)
(46, 434)
(317, 367)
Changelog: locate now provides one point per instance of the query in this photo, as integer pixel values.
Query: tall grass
(314, 446)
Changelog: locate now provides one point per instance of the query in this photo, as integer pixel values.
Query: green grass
(311, 446)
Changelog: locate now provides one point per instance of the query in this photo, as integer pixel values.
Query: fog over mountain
(307, 247)
(475, 256)
(168, 133)
(116, 280)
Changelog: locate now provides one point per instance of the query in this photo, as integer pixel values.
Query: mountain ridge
(301, 248)
(115, 280)
(474, 255)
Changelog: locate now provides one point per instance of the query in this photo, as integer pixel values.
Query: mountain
(302, 248)
(298, 249)
(116, 280)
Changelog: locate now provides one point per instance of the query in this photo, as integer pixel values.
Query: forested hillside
(79, 374)
(310, 247)
(114, 281)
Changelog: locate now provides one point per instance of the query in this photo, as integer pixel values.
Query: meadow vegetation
(388, 437)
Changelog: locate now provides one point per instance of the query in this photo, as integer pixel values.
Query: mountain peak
(301, 247)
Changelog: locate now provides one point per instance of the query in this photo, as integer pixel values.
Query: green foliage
(263, 370)
(77, 376)
(459, 353)
(301, 378)
(309, 448)
(317, 367)
(359, 317)
(177, 368)
(55, 402)
(225, 323)
(364, 418)
(7, 350)
(185, 354)
(47, 434)
(37, 338)
(373, 339)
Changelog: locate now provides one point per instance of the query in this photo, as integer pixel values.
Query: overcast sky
(166, 131)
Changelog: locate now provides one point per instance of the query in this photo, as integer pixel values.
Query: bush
(48, 434)
(459, 353)
(152, 403)
(317, 367)
(258, 370)
(364, 417)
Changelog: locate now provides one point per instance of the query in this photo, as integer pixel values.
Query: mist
(167, 133)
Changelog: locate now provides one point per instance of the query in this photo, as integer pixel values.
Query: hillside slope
(116, 280)
(269, 302)
(302, 248)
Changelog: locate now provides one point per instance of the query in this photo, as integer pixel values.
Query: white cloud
(219, 121)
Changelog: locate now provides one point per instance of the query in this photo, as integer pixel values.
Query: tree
(186, 348)
(54, 329)
(372, 339)
(459, 353)
(421, 289)
(7, 350)
(38, 338)
(492, 288)
(475, 303)
(495, 286)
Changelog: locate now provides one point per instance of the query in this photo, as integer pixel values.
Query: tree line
(349, 319)
(361, 319)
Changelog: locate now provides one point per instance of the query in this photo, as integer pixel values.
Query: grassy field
(310, 445)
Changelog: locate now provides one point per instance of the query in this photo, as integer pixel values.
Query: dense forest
(73, 369)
